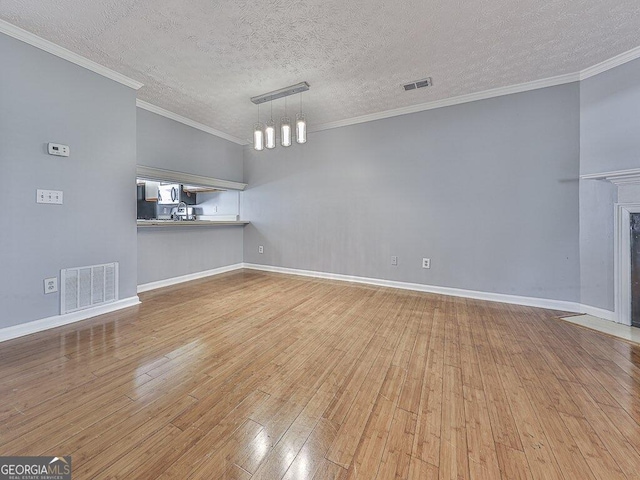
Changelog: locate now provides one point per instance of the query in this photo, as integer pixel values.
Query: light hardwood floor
(251, 375)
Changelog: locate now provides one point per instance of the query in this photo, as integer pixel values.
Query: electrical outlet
(260, 249)
(394, 261)
(51, 285)
(426, 263)
(49, 196)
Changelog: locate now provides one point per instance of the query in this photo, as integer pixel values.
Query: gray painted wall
(609, 140)
(609, 120)
(172, 252)
(220, 203)
(488, 190)
(165, 143)
(46, 99)
(596, 243)
(162, 253)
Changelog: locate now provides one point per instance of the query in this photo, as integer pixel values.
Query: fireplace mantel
(618, 177)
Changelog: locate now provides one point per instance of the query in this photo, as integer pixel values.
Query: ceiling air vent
(425, 82)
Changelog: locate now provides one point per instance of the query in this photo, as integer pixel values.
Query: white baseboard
(187, 278)
(35, 326)
(454, 292)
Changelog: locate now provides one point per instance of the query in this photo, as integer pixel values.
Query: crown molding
(50, 47)
(187, 121)
(448, 102)
(589, 72)
(614, 62)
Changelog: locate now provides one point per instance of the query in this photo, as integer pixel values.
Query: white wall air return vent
(425, 82)
(86, 287)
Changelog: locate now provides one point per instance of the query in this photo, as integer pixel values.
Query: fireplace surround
(628, 203)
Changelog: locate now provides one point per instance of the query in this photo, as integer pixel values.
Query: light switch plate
(49, 196)
(58, 149)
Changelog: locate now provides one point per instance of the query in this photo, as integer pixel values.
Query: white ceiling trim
(448, 102)
(616, 61)
(50, 47)
(187, 121)
(589, 72)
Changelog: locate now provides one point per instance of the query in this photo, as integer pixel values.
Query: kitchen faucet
(181, 215)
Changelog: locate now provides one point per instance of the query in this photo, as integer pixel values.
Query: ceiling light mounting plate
(283, 92)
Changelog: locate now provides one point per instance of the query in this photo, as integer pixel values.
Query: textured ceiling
(203, 59)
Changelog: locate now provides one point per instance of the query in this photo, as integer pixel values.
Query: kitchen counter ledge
(190, 223)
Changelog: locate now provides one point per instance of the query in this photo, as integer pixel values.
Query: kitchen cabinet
(175, 193)
(151, 191)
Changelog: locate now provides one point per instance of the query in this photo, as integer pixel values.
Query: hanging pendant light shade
(270, 135)
(285, 127)
(301, 128)
(285, 132)
(258, 136)
(270, 132)
(258, 133)
(301, 125)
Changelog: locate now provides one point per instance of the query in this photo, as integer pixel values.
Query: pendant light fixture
(258, 134)
(285, 128)
(301, 125)
(265, 136)
(270, 131)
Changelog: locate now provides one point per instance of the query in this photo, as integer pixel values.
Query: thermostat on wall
(57, 149)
